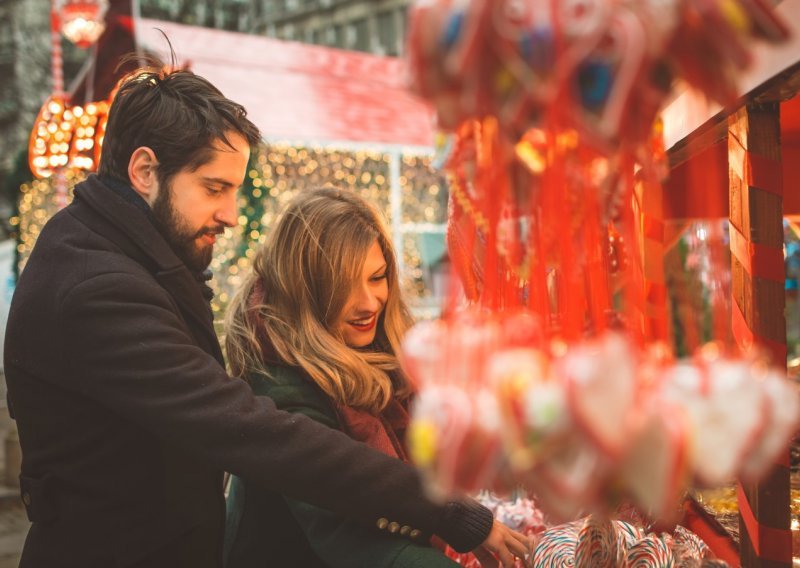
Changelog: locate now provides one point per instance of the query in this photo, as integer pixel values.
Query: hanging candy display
(556, 378)
(65, 135)
(83, 21)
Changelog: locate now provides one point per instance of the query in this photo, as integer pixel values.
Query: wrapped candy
(521, 514)
(455, 439)
(650, 552)
(596, 542)
(688, 548)
(657, 469)
(556, 549)
(587, 427)
(779, 423)
(724, 405)
(600, 380)
(610, 65)
(553, 105)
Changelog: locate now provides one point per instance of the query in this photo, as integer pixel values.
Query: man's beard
(180, 237)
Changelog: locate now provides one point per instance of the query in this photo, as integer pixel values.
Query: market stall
(560, 225)
(560, 376)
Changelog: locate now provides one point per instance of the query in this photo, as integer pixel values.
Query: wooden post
(756, 231)
(649, 208)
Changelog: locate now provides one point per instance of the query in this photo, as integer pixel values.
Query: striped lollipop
(627, 535)
(597, 544)
(688, 547)
(556, 549)
(650, 552)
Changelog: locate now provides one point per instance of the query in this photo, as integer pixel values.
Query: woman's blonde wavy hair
(300, 282)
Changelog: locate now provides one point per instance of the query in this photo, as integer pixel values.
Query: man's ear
(143, 173)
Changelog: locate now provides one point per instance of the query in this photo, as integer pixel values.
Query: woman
(316, 327)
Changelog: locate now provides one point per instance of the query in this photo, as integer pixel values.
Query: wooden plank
(650, 211)
(774, 74)
(766, 217)
(757, 287)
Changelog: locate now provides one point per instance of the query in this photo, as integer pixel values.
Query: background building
(327, 116)
(373, 26)
(24, 65)
(232, 15)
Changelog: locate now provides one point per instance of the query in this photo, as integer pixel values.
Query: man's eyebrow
(218, 181)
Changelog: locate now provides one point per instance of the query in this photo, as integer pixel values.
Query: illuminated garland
(67, 137)
(276, 173)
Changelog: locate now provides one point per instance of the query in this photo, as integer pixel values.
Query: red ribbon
(652, 227)
(769, 543)
(756, 170)
(655, 292)
(759, 261)
(745, 336)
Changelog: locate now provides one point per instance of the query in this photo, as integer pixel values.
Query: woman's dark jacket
(263, 524)
(127, 418)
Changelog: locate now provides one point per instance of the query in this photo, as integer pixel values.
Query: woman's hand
(503, 544)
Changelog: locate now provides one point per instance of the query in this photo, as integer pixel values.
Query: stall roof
(696, 131)
(301, 92)
(690, 110)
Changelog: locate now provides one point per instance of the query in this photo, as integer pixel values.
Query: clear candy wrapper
(557, 377)
(589, 426)
(609, 64)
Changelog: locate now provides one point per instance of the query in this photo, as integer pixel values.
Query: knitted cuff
(465, 525)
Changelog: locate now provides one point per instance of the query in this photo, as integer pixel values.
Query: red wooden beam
(756, 218)
(698, 187)
(117, 41)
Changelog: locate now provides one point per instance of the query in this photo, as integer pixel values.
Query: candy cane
(597, 544)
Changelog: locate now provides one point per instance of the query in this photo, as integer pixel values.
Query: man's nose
(227, 214)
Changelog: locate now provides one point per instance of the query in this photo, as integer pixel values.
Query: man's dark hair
(177, 114)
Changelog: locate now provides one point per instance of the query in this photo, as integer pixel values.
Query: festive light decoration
(278, 171)
(424, 191)
(38, 201)
(67, 137)
(82, 21)
(50, 138)
(275, 174)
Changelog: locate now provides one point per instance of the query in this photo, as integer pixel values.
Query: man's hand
(501, 546)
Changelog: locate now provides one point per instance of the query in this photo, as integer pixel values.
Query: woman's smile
(364, 324)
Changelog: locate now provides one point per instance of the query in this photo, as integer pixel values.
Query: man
(126, 416)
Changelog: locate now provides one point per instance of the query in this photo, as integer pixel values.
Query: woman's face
(359, 318)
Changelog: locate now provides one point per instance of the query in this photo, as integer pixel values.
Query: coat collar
(149, 246)
(131, 229)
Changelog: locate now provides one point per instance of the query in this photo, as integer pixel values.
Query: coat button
(404, 530)
(26, 498)
(415, 533)
(383, 523)
(394, 527)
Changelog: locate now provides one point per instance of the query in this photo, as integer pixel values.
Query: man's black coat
(127, 418)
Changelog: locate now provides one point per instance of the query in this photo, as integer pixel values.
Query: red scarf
(384, 432)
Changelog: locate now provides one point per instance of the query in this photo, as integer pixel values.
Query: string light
(265, 194)
(67, 137)
(424, 191)
(38, 201)
(83, 21)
